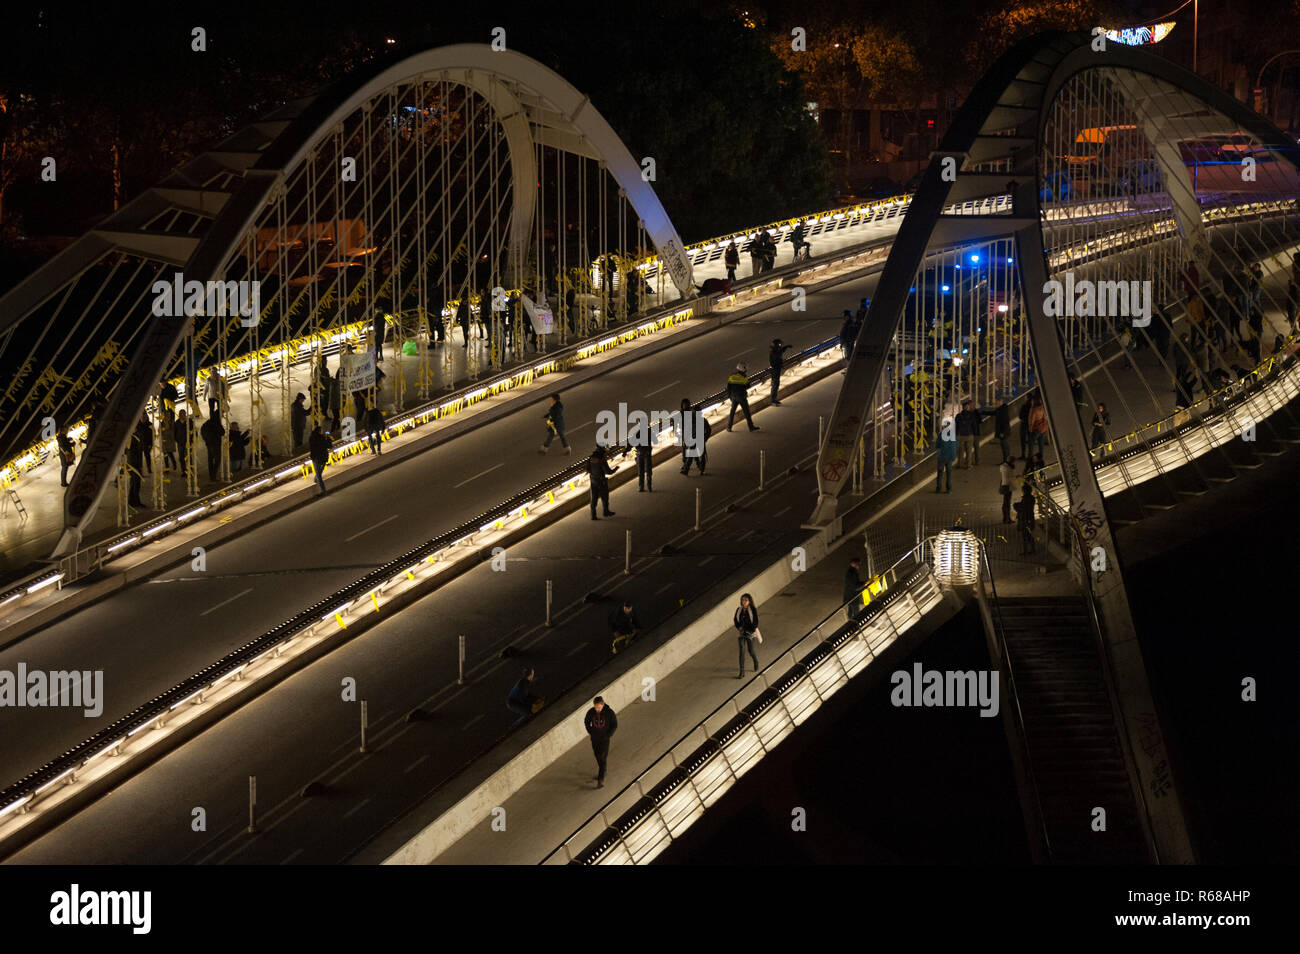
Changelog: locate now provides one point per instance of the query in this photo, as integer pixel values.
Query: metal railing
(666, 798)
(1082, 568)
(989, 599)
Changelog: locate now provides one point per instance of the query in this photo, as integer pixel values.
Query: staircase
(1074, 748)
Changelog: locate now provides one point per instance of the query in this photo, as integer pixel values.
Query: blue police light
(964, 350)
(912, 290)
(974, 258)
(1010, 259)
(946, 288)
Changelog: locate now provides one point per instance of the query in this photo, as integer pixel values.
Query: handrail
(21, 792)
(1079, 549)
(892, 576)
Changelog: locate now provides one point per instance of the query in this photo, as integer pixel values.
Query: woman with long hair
(746, 620)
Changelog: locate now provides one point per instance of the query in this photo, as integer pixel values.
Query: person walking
(946, 457)
(738, 391)
(796, 239)
(521, 700)
(1007, 477)
(623, 626)
(968, 432)
(67, 455)
(1025, 521)
(776, 361)
(212, 432)
(731, 258)
(693, 432)
(1100, 421)
(238, 447)
(755, 255)
(643, 441)
(1002, 427)
(853, 588)
(182, 431)
(214, 391)
(769, 252)
(746, 623)
(298, 419)
(598, 470)
(848, 334)
(601, 724)
(375, 425)
(318, 445)
(1037, 426)
(554, 418)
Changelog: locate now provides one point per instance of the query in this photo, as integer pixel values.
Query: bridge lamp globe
(956, 555)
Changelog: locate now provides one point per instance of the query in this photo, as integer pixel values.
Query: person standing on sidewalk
(738, 391)
(776, 359)
(746, 623)
(598, 470)
(693, 432)
(946, 456)
(643, 441)
(1100, 421)
(554, 418)
(731, 258)
(1002, 427)
(968, 432)
(601, 724)
(853, 588)
(298, 419)
(1025, 521)
(1007, 475)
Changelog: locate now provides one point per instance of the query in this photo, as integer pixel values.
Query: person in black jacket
(238, 447)
(375, 425)
(601, 724)
(746, 623)
(776, 360)
(642, 440)
(1002, 427)
(212, 432)
(554, 418)
(1025, 521)
(182, 430)
(319, 446)
(598, 470)
(67, 455)
(693, 432)
(731, 258)
(298, 419)
(624, 625)
(848, 334)
(853, 588)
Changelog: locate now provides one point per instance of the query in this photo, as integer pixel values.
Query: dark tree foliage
(124, 98)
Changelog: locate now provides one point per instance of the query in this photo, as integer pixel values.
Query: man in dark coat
(182, 430)
(319, 447)
(554, 418)
(776, 360)
(598, 470)
(212, 432)
(601, 724)
(298, 419)
(693, 432)
(853, 588)
(624, 626)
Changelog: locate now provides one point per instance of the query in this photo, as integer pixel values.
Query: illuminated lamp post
(956, 556)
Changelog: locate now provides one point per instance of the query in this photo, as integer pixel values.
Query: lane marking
(292, 856)
(414, 764)
(707, 559)
(357, 807)
(224, 602)
(579, 427)
(779, 512)
(662, 588)
(576, 648)
(664, 388)
(375, 526)
(477, 476)
(739, 354)
(471, 722)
